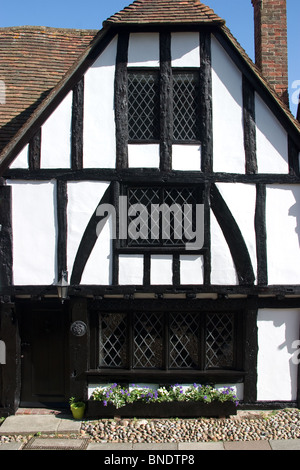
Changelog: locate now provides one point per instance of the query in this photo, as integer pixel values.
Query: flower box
(185, 409)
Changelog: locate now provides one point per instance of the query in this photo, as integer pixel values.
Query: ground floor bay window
(169, 346)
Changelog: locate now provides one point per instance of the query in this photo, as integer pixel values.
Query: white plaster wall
(21, 161)
(186, 157)
(143, 50)
(34, 232)
(241, 200)
(223, 270)
(227, 96)
(2, 352)
(185, 49)
(56, 136)
(99, 141)
(191, 269)
(143, 156)
(283, 232)
(98, 269)
(161, 270)
(131, 269)
(237, 388)
(277, 374)
(83, 199)
(271, 140)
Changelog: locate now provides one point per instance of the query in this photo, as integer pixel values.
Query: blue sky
(89, 14)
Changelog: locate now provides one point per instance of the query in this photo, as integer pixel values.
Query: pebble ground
(245, 426)
(283, 424)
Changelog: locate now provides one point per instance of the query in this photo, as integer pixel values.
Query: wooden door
(43, 351)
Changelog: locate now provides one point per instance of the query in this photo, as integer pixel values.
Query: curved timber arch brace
(234, 238)
(90, 237)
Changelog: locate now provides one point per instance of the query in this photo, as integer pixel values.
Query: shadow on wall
(291, 336)
(294, 211)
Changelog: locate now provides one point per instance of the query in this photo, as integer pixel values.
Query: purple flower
(105, 403)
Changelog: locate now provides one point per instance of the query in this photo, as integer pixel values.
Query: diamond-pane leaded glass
(143, 105)
(167, 216)
(148, 340)
(157, 340)
(113, 337)
(219, 340)
(184, 340)
(146, 197)
(185, 199)
(186, 106)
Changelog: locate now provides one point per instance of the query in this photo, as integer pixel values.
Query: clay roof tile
(165, 11)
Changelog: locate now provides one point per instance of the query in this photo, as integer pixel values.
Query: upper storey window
(144, 118)
(186, 106)
(143, 105)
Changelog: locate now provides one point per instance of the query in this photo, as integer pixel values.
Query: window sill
(162, 376)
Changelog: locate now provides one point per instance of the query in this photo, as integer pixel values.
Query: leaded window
(162, 216)
(186, 101)
(143, 105)
(168, 341)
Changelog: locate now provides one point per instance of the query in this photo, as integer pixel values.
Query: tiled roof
(165, 11)
(32, 62)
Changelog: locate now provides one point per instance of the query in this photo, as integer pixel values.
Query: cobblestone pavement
(33, 429)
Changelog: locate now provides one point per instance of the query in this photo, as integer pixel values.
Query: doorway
(44, 346)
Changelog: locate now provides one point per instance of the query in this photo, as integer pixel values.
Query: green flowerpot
(78, 410)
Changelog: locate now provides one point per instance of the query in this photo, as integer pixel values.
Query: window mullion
(130, 326)
(166, 348)
(202, 341)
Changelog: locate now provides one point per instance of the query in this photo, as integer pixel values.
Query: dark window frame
(237, 354)
(175, 72)
(195, 73)
(158, 246)
(143, 72)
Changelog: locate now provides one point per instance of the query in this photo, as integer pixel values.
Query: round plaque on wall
(78, 328)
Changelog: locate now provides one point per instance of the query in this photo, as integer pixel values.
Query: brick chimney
(271, 53)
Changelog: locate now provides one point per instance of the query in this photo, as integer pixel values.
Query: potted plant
(77, 407)
(176, 401)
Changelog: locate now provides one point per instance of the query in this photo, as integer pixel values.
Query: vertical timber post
(79, 348)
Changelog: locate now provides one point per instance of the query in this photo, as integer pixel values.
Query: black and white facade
(161, 116)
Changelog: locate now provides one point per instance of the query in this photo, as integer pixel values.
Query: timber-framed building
(161, 108)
